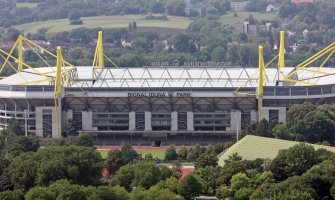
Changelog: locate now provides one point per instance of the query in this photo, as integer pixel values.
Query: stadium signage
(159, 94)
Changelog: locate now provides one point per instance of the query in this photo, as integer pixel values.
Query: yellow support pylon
(58, 90)
(100, 50)
(20, 53)
(261, 81)
(281, 59)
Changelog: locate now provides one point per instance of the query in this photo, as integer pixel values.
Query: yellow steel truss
(315, 73)
(21, 64)
(99, 56)
(58, 89)
(261, 81)
(281, 64)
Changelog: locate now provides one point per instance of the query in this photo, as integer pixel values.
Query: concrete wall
(235, 120)
(132, 121)
(281, 113)
(190, 121)
(39, 121)
(87, 120)
(174, 121)
(66, 116)
(147, 125)
(253, 116)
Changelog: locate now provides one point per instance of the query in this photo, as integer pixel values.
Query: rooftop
(173, 77)
(251, 147)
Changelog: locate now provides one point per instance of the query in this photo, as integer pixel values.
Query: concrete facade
(174, 121)
(190, 121)
(235, 120)
(132, 121)
(147, 123)
(87, 120)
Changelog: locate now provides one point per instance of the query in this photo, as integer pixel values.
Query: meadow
(115, 21)
(172, 25)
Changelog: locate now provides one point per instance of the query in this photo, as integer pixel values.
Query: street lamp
(26, 122)
(236, 116)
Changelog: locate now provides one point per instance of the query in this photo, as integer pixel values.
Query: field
(229, 19)
(28, 5)
(116, 21)
(173, 25)
(159, 153)
(252, 147)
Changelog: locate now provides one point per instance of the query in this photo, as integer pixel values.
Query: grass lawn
(28, 5)
(155, 153)
(115, 21)
(229, 19)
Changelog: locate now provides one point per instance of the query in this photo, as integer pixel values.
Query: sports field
(157, 152)
(115, 21)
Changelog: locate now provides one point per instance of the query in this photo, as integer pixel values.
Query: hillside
(252, 147)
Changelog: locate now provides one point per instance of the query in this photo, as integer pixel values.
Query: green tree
(13, 129)
(182, 153)
(75, 53)
(142, 44)
(297, 112)
(190, 186)
(206, 159)
(143, 174)
(171, 153)
(281, 131)
(85, 140)
(17, 145)
(239, 181)
(292, 195)
(155, 193)
(243, 194)
(39, 193)
(218, 54)
(81, 165)
(128, 154)
(293, 161)
(12, 195)
(263, 128)
(114, 160)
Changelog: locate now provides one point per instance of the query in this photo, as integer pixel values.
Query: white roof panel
(165, 77)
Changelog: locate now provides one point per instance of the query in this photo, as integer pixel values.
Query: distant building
(197, 7)
(272, 8)
(238, 6)
(302, 1)
(124, 43)
(251, 30)
(26, 47)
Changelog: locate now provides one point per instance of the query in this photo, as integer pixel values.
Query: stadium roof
(163, 77)
(251, 147)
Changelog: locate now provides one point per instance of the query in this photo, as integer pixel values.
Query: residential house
(272, 8)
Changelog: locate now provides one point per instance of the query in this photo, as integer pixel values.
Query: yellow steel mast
(99, 52)
(281, 59)
(20, 53)
(261, 81)
(58, 90)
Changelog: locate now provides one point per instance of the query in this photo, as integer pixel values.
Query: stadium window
(273, 115)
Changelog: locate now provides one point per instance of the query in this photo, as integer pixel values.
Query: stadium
(157, 105)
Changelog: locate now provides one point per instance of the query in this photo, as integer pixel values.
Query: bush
(76, 22)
